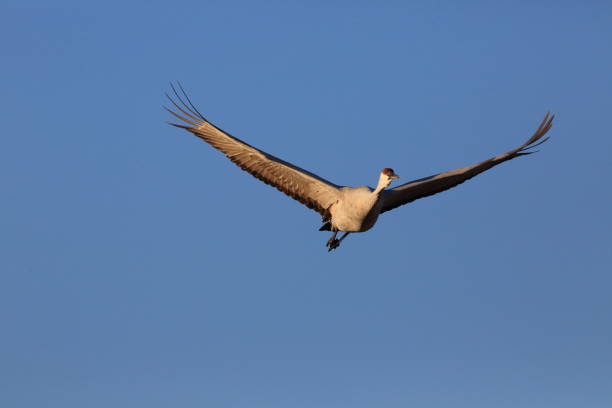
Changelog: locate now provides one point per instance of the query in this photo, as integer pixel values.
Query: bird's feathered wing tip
(536, 139)
(191, 114)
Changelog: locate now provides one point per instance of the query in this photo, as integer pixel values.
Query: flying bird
(344, 209)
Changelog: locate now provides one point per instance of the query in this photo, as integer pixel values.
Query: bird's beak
(395, 176)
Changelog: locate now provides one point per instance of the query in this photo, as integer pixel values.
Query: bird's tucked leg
(334, 243)
(332, 239)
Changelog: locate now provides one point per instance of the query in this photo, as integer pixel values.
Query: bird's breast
(357, 211)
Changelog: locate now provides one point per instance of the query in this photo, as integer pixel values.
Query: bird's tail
(326, 227)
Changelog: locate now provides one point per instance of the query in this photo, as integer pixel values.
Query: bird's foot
(332, 244)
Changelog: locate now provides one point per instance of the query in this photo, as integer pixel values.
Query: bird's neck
(383, 182)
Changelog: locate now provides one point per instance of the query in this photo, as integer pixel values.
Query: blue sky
(139, 267)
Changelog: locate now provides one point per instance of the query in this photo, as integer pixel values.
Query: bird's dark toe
(333, 244)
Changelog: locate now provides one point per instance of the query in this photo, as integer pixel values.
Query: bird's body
(346, 209)
(356, 210)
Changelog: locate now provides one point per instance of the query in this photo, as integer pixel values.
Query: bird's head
(387, 175)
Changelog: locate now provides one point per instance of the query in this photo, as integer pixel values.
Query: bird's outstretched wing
(307, 188)
(437, 183)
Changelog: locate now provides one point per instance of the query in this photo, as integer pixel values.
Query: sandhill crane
(346, 209)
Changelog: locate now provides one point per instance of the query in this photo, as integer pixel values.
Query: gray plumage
(347, 209)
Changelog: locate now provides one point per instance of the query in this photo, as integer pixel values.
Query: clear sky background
(140, 268)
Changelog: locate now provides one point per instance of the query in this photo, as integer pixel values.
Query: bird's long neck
(383, 182)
